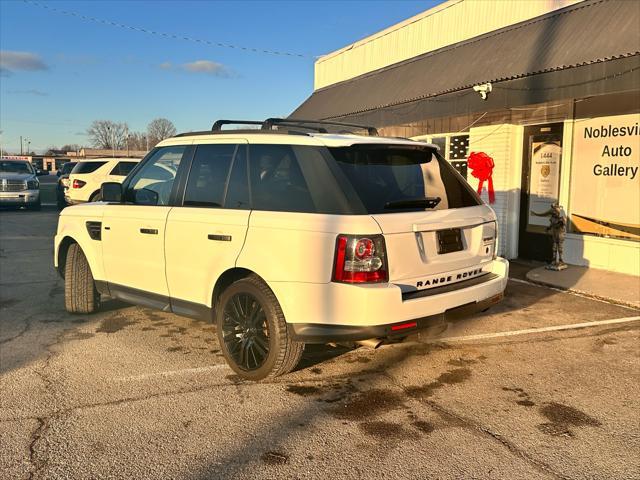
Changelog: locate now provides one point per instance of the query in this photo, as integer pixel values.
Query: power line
(171, 36)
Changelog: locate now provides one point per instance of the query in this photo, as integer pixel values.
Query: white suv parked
(284, 236)
(87, 177)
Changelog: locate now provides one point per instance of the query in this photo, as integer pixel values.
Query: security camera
(483, 90)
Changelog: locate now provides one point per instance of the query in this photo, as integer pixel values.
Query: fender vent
(95, 230)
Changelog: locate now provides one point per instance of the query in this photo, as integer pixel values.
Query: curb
(614, 301)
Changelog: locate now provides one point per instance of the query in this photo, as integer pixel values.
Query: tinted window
(87, 167)
(152, 184)
(276, 180)
(123, 168)
(67, 167)
(238, 188)
(208, 175)
(384, 177)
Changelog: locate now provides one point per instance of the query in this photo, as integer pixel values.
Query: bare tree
(159, 129)
(138, 141)
(107, 134)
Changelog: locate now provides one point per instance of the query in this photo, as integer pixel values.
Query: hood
(17, 176)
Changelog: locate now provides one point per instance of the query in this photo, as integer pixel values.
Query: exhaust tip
(371, 343)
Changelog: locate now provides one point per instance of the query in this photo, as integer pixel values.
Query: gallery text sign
(605, 176)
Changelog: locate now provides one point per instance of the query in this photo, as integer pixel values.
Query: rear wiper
(423, 202)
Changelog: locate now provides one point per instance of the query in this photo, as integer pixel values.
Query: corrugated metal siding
(590, 32)
(497, 141)
(449, 23)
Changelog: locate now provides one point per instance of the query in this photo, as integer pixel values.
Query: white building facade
(560, 115)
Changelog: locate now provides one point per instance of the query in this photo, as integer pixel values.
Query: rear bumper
(315, 333)
(318, 313)
(25, 197)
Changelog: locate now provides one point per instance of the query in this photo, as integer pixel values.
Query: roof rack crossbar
(217, 126)
(269, 123)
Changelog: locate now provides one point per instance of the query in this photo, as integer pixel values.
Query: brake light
(78, 184)
(360, 259)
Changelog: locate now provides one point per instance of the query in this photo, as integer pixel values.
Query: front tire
(80, 294)
(253, 333)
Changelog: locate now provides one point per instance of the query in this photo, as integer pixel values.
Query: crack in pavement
(485, 431)
(26, 328)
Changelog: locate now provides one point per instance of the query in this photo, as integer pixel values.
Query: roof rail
(217, 126)
(269, 123)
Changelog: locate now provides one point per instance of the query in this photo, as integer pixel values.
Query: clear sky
(68, 72)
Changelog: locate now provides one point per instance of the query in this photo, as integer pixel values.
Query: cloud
(206, 67)
(33, 91)
(11, 61)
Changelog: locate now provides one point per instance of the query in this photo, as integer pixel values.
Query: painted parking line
(169, 373)
(529, 331)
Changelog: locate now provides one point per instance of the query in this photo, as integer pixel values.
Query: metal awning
(588, 48)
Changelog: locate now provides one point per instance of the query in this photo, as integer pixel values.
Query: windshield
(15, 167)
(396, 178)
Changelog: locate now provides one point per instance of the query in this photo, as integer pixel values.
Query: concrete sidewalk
(611, 286)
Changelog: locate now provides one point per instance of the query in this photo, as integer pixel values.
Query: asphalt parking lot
(522, 391)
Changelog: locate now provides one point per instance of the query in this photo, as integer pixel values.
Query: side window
(238, 189)
(277, 183)
(152, 184)
(208, 175)
(122, 168)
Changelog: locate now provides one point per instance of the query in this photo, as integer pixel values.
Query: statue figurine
(557, 226)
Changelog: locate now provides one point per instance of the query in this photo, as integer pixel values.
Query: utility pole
(20, 144)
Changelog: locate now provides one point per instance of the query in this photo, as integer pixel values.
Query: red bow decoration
(481, 166)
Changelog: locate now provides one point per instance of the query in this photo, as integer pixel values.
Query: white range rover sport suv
(284, 236)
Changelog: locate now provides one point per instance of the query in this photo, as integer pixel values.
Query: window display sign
(544, 179)
(605, 177)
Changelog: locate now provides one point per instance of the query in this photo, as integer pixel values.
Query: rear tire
(80, 294)
(253, 333)
(96, 197)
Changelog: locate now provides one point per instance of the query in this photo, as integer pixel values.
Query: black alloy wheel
(245, 331)
(252, 331)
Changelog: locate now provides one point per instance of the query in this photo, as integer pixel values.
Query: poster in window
(544, 180)
(605, 177)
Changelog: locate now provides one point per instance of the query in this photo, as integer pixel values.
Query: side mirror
(59, 172)
(111, 192)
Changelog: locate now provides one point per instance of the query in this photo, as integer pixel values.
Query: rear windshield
(87, 167)
(396, 178)
(15, 167)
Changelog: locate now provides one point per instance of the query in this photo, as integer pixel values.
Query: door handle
(149, 231)
(219, 238)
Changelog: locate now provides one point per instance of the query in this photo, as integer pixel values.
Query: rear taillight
(360, 259)
(78, 184)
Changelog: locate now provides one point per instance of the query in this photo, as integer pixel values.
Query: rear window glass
(87, 167)
(390, 179)
(289, 178)
(123, 168)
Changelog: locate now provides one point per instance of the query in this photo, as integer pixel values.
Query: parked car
(19, 185)
(88, 175)
(286, 236)
(63, 183)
